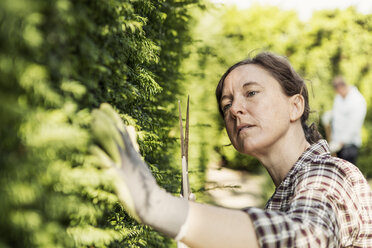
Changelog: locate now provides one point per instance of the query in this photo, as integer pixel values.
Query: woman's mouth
(244, 127)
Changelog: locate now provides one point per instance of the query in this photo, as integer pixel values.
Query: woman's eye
(251, 93)
(226, 107)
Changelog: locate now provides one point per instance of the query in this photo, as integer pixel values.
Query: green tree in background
(58, 60)
(227, 35)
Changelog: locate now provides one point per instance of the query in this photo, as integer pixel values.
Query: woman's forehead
(246, 75)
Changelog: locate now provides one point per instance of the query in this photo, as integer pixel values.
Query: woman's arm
(210, 226)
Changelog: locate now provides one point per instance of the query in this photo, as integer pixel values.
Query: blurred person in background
(348, 113)
(319, 201)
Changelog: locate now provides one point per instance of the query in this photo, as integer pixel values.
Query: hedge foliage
(58, 60)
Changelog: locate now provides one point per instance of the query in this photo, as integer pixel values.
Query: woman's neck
(280, 158)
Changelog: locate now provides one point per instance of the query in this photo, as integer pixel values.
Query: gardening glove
(136, 187)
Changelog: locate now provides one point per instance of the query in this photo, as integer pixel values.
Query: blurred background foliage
(59, 59)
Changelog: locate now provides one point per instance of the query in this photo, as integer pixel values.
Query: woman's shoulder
(327, 172)
(326, 163)
(318, 157)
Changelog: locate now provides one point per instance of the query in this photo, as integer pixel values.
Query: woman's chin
(251, 149)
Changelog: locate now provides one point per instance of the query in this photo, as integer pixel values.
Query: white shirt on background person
(348, 115)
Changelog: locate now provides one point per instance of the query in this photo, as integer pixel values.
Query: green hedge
(58, 60)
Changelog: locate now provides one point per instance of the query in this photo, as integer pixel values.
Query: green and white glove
(136, 187)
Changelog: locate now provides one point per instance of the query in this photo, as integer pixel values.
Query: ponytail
(311, 133)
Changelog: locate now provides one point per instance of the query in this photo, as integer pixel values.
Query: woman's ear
(297, 107)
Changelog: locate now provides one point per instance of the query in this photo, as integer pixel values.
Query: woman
(320, 201)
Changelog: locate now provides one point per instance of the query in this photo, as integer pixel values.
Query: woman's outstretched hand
(136, 187)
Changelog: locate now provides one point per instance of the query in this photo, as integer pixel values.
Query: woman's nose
(237, 108)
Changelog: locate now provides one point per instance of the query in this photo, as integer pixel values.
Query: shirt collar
(316, 149)
(319, 148)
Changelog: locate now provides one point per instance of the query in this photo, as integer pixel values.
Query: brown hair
(290, 82)
(338, 80)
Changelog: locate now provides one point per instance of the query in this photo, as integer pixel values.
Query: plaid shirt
(323, 202)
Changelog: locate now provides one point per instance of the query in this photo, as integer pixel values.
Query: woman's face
(256, 111)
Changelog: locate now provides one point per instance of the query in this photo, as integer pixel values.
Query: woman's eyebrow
(244, 85)
(225, 97)
(250, 83)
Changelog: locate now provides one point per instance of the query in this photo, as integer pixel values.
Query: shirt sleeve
(310, 221)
